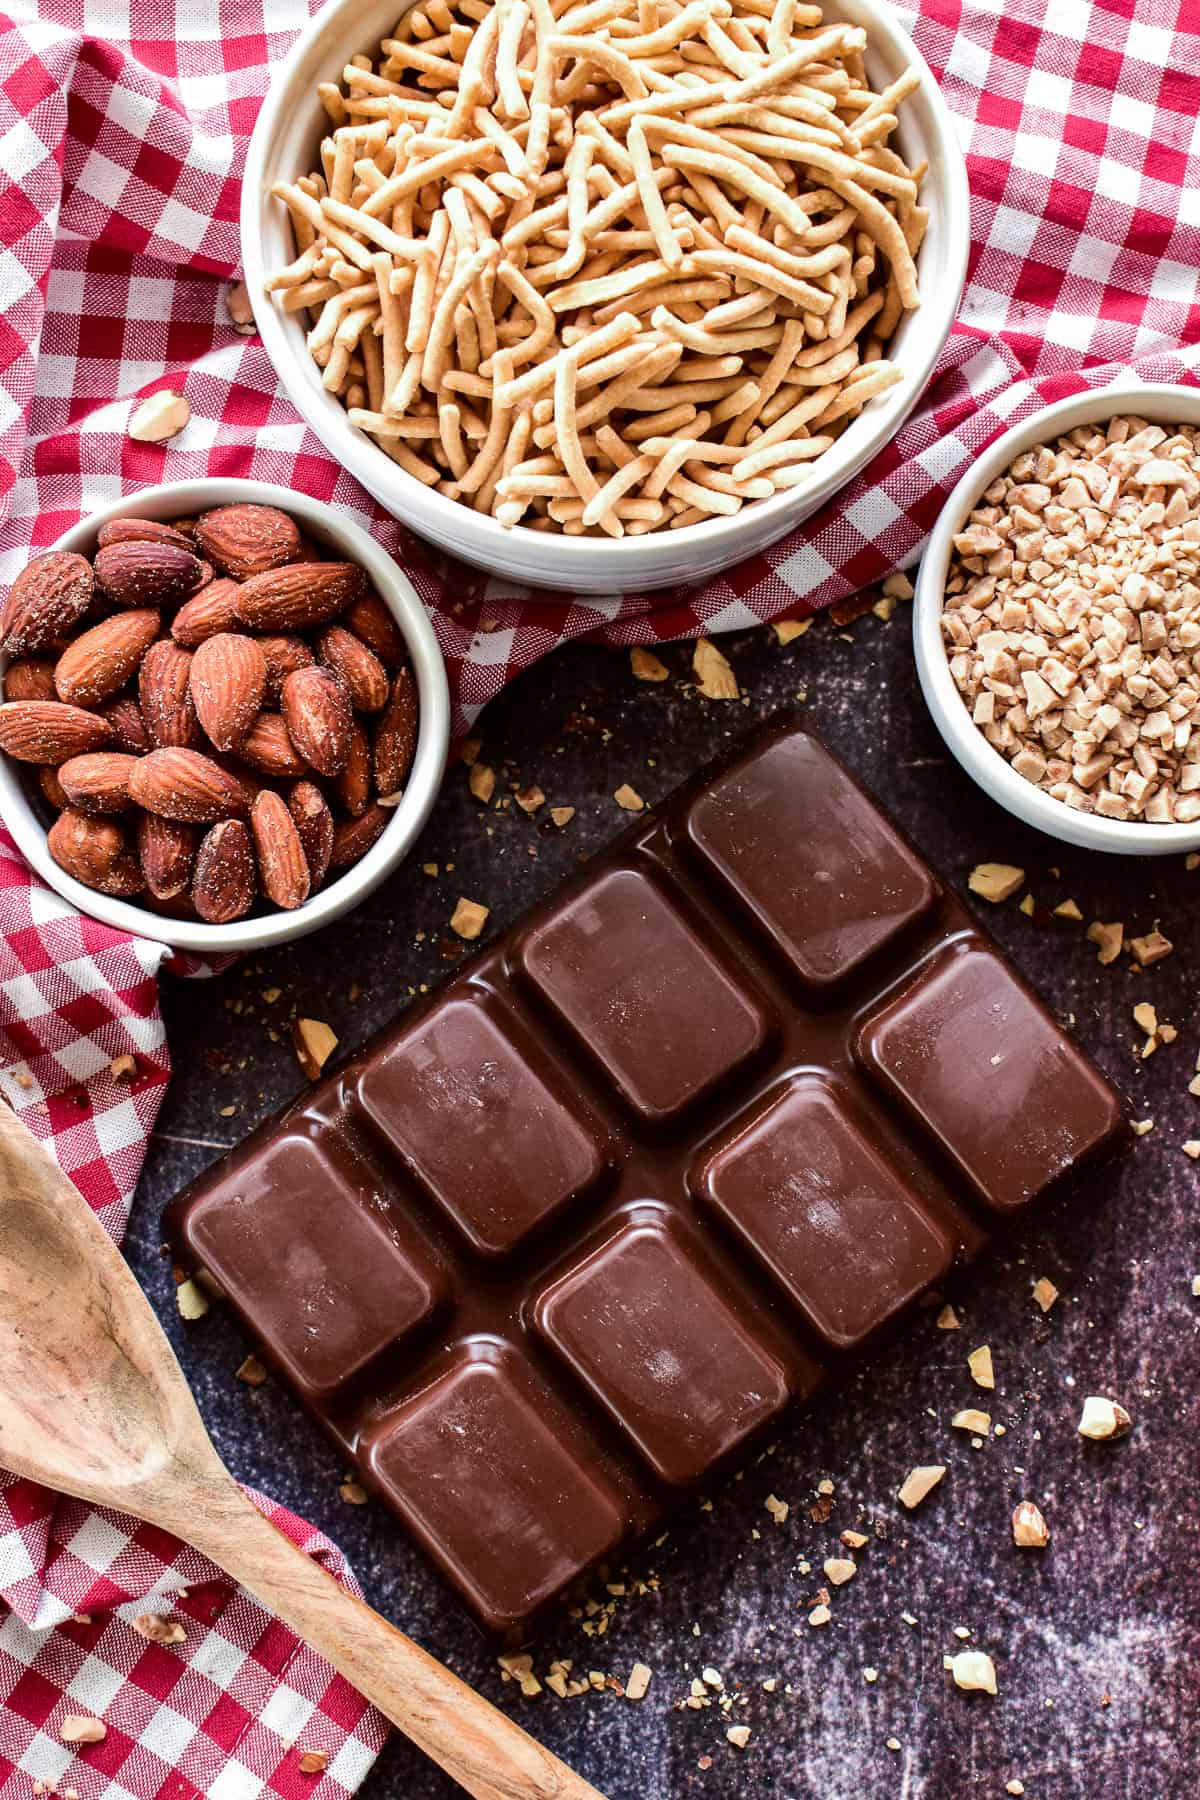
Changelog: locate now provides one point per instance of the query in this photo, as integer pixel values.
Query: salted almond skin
(99, 662)
(229, 673)
(185, 785)
(268, 748)
(299, 595)
(213, 609)
(125, 716)
(150, 531)
(99, 781)
(282, 865)
(370, 619)
(95, 852)
(244, 539)
(352, 838)
(317, 711)
(141, 572)
(365, 677)
(164, 689)
(46, 601)
(30, 678)
(354, 780)
(224, 881)
(396, 736)
(283, 654)
(314, 826)
(167, 851)
(48, 731)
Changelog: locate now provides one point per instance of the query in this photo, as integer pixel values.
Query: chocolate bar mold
(682, 1144)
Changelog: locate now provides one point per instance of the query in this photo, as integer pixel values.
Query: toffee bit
(1109, 939)
(628, 798)
(562, 815)
(788, 630)
(468, 919)
(314, 1043)
(948, 1320)
(1151, 948)
(1044, 1293)
(482, 782)
(996, 882)
(640, 1677)
(645, 666)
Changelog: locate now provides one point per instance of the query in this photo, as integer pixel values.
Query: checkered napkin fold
(121, 139)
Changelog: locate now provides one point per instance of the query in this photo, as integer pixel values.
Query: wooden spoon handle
(485, 1752)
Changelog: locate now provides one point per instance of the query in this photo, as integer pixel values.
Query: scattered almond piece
(884, 608)
(1014, 1786)
(1145, 1018)
(1196, 1287)
(646, 666)
(871, 1676)
(1140, 1127)
(562, 815)
(78, 1728)
(469, 918)
(897, 586)
(714, 677)
(191, 1300)
(123, 1068)
(919, 1483)
(1103, 1419)
(712, 1678)
(1067, 909)
(855, 1540)
(788, 630)
(1028, 906)
(974, 1671)
(1191, 861)
(352, 1493)
(470, 751)
(971, 1419)
(628, 799)
(519, 1665)
(820, 1615)
(159, 1630)
(738, 1736)
(778, 1509)
(162, 416)
(482, 782)
(1030, 1530)
(1192, 1148)
(1151, 948)
(314, 1044)
(1045, 1293)
(839, 1570)
(640, 1677)
(530, 798)
(980, 1364)
(1109, 938)
(314, 1762)
(251, 1371)
(948, 1320)
(241, 313)
(995, 881)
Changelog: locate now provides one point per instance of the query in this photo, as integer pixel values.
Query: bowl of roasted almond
(224, 717)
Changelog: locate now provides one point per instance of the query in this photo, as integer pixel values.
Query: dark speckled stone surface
(1096, 1640)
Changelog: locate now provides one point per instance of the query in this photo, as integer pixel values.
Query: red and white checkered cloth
(121, 136)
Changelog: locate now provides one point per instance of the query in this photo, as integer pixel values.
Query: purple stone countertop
(1096, 1640)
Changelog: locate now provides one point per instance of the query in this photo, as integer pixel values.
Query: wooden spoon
(93, 1403)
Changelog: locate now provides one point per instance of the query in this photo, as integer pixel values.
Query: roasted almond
(370, 619)
(282, 865)
(396, 737)
(365, 677)
(299, 595)
(228, 675)
(95, 852)
(99, 781)
(151, 531)
(48, 598)
(52, 788)
(47, 731)
(139, 572)
(164, 688)
(213, 609)
(182, 784)
(99, 662)
(224, 880)
(352, 838)
(167, 850)
(314, 825)
(125, 716)
(283, 654)
(30, 678)
(243, 539)
(354, 780)
(317, 712)
(268, 748)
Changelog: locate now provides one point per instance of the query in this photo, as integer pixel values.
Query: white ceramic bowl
(285, 145)
(994, 774)
(179, 499)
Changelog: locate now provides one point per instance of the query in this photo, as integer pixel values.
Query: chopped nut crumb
(562, 815)
(1044, 1293)
(1014, 1786)
(646, 666)
(628, 799)
(884, 608)
(482, 782)
(1151, 948)
(839, 1569)
(123, 1068)
(738, 1736)
(892, 1743)
(1140, 1127)
(191, 1300)
(530, 798)
(974, 1670)
(159, 1630)
(470, 751)
(778, 1509)
(897, 586)
(948, 1320)
(79, 1728)
(640, 1677)
(1192, 1148)
(980, 1364)
(519, 1666)
(712, 1678)
(1145, 1018)
(1029, 1528)
(714, 677)
(1196, 1287)
(314, 1044)
(788, 630)
(970, 1419)
(241, 313)
(1027, 906)
(825, 1486)
(469, 918)
(163, 415)
(820, 1615)
(995, 881)
(352, 1493)
(871, 1675)
(855, 1540)
(1067, 909)
(314, 1762)
(1102, 1418)
(251, 1371)
(919, 1483)
(1110, 940)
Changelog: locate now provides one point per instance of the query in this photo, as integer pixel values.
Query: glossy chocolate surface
(561, 1245)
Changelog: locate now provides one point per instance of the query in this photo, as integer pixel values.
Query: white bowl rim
(1161, 403)
(649, 553)
(324, 521)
